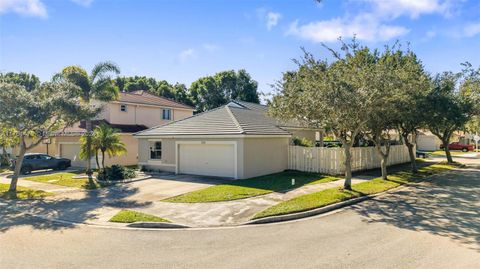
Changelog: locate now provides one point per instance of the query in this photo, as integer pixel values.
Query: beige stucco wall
(144, 115)
(179, 114)
(263, 156)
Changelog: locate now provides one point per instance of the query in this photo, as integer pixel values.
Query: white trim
(235, 152)
(150, 162)
(69, 143)
(301, 128)
(150, 105)
(210, 136)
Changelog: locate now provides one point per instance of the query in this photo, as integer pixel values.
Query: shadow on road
(447, 206)
(80, 207)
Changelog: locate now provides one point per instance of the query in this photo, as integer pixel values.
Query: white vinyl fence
(331, 160)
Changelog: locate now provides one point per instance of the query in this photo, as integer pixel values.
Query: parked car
(459, 146)
(38, 161)
(332, 144)
(422, 154)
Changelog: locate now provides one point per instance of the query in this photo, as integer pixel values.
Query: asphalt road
(436, 225)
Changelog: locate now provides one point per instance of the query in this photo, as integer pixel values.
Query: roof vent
(234, 104)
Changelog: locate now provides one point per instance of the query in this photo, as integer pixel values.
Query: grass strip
(130, 216)
(22, 193)
(245, 188)
(65, 179)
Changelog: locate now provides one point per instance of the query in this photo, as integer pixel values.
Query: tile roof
(235, 118)
(143, 97)
(80, 128)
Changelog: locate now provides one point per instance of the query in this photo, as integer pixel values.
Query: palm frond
(101, 70)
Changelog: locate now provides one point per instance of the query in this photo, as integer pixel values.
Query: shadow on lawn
(446, 206)
(78, 207)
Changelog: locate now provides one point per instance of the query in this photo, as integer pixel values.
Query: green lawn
(452, 152)
(64, 179)
(335, 195)
(244, 188)
(129, 216)
(22, 193)
(3, 169)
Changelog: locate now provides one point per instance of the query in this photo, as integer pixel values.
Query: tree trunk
(348, 167)
(322, 137)
(18, 166)
(383, 164)
(96, 159)
(413, 158)
(4, 160)
(447, 151)
(103, 160)
(384, 158)
(88, 125)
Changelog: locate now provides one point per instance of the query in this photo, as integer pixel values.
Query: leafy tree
(33, 115)
(8, 139)
(448, 109)
(403, 83)
(206, 95)
(29, 81)
(337, 96)
(181, 94)
(213, 91)
(106, 140)
(96, 86)
(410, 100)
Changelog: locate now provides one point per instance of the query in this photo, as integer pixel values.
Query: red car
(459, 146)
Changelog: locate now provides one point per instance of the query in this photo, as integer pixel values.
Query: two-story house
(131, 113)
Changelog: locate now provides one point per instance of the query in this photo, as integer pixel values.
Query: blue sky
(184, 40)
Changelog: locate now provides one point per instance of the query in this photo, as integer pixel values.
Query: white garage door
(427, 143)
(71, 151)
(207, 159)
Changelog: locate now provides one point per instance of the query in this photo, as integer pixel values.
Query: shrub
(115, 172)
(304, 142)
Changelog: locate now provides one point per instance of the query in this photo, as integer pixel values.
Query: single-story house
(238, 140)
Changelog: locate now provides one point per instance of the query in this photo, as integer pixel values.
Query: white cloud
(272, 19)
(210, 47)
(412, 8)
(430, 34)
(34, 8)
(85, 3)
(364, 27)
(375, 22)
(471, 29)
(187, 54)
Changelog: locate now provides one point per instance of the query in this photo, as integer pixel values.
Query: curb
(309, 213)
(156, 225)
(124, 181)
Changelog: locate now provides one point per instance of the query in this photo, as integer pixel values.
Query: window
(123, 108)
(166, 114)
(156, 151)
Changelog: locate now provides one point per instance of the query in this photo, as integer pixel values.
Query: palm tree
(106, 140)
(96, 86)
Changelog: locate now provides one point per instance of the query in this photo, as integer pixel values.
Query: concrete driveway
(160, 187)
